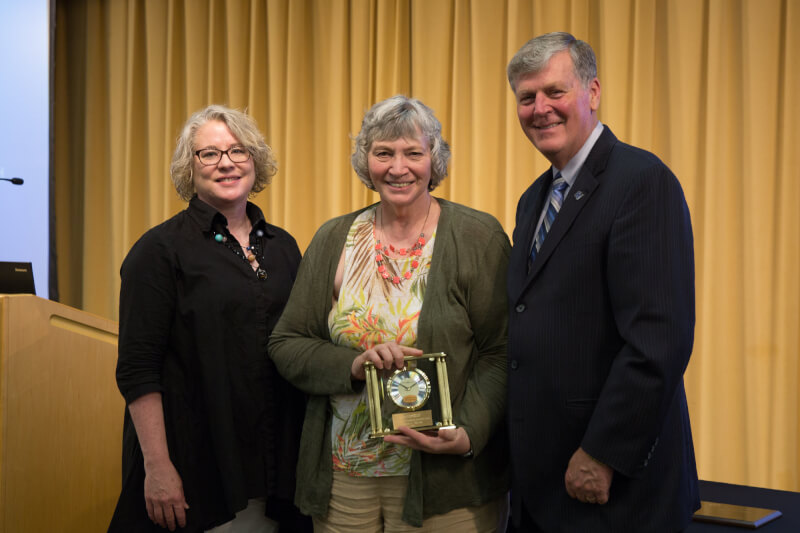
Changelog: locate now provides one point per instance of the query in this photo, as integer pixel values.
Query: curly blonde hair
(243, 128)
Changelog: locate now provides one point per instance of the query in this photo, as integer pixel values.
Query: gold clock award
(416, 396)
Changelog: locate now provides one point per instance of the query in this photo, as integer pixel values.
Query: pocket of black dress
(581, 403)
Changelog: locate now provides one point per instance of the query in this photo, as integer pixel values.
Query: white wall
(24, 133)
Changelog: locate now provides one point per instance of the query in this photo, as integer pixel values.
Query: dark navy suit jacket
(600, 332)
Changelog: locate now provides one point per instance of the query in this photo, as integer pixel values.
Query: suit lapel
(580, 194)
(534, 209)
(530, 208)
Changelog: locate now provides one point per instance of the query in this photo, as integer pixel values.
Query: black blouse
(194, 323)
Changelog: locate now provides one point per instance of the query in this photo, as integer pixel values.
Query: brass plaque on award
(416, 396)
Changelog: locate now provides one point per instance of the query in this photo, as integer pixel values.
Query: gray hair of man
(395, 118)
(242, 126)
(536, 53)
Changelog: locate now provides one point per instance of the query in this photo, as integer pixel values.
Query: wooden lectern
(60, 418)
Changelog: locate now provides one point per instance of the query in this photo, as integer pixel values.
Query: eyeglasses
(212, 156)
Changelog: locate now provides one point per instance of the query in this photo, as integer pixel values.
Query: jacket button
(520, 308)
(514, 364)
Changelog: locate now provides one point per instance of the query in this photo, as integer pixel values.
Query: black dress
(194, 323)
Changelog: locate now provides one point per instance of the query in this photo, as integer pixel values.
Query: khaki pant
(375, 505)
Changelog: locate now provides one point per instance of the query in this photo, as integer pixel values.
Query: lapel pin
(579, 195)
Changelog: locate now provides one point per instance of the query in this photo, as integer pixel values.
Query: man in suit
(601, 295)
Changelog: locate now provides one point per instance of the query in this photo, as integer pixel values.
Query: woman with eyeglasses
(211, 430)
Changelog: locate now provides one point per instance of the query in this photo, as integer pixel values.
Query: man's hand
(587, 479)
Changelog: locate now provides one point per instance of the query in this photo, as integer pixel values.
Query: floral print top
(372, 310)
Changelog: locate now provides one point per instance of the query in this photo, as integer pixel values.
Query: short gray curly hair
(243, 128)
(535, 54)
(395, 118)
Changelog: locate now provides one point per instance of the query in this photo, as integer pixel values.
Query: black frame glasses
(237, 154)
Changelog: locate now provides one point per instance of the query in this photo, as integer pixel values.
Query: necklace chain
(254, 251)
(382, 251)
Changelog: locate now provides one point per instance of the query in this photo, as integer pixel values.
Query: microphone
(15, 181)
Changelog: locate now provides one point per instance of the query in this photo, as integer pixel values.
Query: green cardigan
(464, 314)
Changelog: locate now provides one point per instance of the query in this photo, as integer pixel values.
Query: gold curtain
(708, 85)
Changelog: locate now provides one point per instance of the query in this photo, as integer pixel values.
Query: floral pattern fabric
(372, 310)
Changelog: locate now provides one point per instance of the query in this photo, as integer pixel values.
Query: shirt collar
(573, 166)
(210, 219)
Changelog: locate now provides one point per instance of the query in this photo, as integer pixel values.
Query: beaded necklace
(382, 251)
(254, 251)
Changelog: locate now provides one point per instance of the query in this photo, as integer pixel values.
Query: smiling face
(555, 110)
(225, 184)
(400, 170)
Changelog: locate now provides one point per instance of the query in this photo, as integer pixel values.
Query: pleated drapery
(708, 85)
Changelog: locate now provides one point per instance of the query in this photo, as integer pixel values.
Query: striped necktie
(556, 199)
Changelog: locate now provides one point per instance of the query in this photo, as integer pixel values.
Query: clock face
(409, 388)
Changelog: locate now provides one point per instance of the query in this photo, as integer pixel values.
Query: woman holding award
(409, 275)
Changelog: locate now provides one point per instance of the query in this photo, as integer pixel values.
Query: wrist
(595, 459)
(156, 463)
